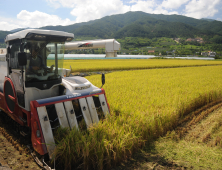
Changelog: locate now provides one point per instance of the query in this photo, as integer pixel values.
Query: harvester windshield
(44, 60)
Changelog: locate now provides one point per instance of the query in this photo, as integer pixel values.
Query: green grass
(200, 147)
(190, 154)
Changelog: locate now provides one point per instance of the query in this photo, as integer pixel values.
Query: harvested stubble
(121, 64)
(145, 104)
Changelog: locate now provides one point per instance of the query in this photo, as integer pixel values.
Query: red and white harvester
(40, 100)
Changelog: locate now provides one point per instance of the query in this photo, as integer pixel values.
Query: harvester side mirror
(22, 60)
(103, 79)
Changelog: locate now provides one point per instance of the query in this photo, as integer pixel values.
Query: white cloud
(38, 19)
(54, 3)
(173, 4)
(145, 6)
(150, 6)
(85, 10)
(201, 8)
(160, 10)
(66, 3)
(96, 9)
(133, 1)
(5, 26)
(34, 19)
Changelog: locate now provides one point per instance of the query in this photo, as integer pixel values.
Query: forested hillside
(140, 24)
(3, 35)
(159, 28)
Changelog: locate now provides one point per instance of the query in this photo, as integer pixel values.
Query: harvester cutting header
(37, 96)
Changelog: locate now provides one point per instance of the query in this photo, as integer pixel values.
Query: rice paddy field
(145, 104)
(123, 64)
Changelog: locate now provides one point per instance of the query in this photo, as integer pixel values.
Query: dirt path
(3, 164)
(148, 161)
(15, 158)
(12, 154)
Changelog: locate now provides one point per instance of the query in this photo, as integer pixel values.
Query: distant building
(200, 40)
(190, 39)
(177, 40)
(211, 54)
(151, 51)
(204, 53)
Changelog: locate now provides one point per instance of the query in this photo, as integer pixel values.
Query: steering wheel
(41, 72)
(48, 70)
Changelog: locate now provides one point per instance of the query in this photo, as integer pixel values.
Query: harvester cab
(36, 92)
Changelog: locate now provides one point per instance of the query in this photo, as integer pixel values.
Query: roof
(22, 34)
(151, 51)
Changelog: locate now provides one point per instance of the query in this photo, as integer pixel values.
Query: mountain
(202, 24)
(158, 28)
(143, 24)
(140, 24)
(207, 19)
(18, 29)
(3, 35)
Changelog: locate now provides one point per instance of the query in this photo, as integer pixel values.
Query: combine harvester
(38, 96)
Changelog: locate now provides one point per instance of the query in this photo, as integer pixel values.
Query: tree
(217, 47)
(217, 39)
(163, 53)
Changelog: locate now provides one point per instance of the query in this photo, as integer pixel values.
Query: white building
(211, 54)
(204, 53)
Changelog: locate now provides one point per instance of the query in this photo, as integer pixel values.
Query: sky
(38, 13)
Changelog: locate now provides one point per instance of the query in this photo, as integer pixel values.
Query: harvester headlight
(82, 88)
